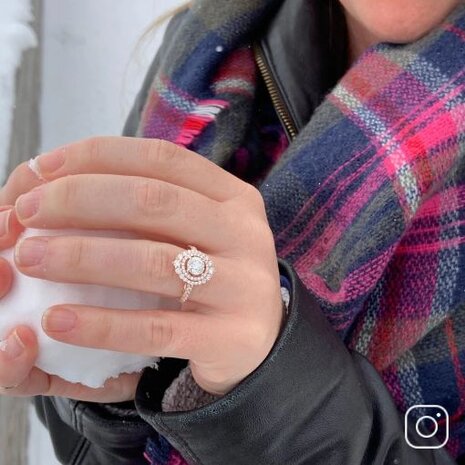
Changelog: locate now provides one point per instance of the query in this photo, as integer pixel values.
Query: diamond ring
(194, 268)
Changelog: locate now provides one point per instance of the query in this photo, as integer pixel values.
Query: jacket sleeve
(87, 433)
(311, 402)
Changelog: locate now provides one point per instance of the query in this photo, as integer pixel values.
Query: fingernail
(27, 205)
(31, 251)
(51, 161)
(4, 222)
(58, 319)
(13, 346)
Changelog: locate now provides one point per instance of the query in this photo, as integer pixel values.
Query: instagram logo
(424, 422)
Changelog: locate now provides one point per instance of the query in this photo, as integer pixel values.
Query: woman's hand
(171, 198)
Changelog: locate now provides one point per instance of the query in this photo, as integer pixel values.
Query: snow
(30, 297)
(92, 66)
(15, 36)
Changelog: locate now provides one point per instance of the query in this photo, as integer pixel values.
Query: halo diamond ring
(194, 268)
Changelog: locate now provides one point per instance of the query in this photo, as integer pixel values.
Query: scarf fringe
(204, 113)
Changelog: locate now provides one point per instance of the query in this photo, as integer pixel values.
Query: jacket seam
(80, 451)
(74, 416)
(180, 440)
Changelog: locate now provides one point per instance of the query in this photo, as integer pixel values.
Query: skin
(397, 21)
(229, 325)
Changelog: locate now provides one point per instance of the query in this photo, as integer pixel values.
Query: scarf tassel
(201, 116)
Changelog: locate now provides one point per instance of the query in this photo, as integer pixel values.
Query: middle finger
(131, 203)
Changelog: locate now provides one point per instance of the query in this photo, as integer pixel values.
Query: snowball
(30, 297)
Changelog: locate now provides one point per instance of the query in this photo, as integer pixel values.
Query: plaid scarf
(367, 203)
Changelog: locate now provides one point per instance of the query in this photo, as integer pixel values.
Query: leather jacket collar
(301, 56)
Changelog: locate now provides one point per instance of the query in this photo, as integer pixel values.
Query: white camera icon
(429, 420)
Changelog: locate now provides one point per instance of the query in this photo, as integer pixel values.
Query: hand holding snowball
(171, 198)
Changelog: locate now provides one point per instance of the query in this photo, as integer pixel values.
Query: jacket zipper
(275, 94)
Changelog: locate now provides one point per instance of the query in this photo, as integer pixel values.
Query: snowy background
(15, 37)
(91, 70)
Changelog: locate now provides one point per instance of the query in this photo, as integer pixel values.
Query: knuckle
(155, 263)
(77, 253)
(257, 230)
(93, 148)
(254, 197)
(165, 154)
(161, 334)
(156, 198)
(167, 158)
(68, 188)
(145, 155)
(100, 329)
(147, 197)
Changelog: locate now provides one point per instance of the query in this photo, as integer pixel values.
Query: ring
(194, 268)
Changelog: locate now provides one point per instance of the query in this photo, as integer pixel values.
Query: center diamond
(195, 266)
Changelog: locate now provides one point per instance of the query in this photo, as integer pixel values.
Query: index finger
(152, 158)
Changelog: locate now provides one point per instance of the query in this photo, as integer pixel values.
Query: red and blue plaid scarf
(367, 203)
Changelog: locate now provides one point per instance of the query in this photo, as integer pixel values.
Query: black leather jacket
(311, 402)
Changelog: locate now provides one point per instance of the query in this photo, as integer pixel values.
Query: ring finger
(142, 265)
